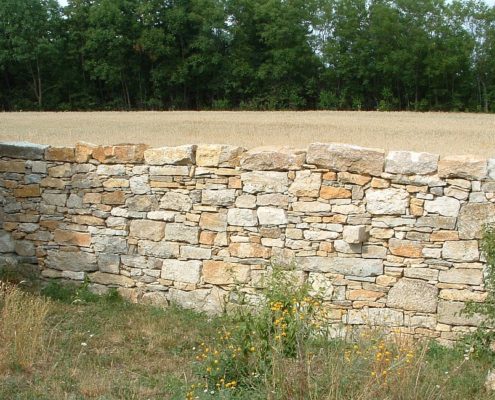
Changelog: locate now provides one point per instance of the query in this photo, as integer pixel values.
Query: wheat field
(442, 133)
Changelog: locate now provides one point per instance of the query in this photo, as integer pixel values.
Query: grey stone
(413, 295)
(472, 217)
(55, 199)
(176, 201)
(411, 163)
(446, 206)
(437, 222)
(161, 249)
(461, 250)
(463, 276)
(224, 197)
(74, 201)
(71, 261)
(181, 271)
(387, 201)
(25, 248)
(142, 203)
(23, 150)
(451, 313)
(109, 263)
(265, 181)
(7, 244)
(117, 169)
(139, 184)
(182, 233)
(346, 266)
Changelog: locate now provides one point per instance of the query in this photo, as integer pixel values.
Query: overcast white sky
(64, 2)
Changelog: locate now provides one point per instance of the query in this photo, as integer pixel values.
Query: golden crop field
(443, 133)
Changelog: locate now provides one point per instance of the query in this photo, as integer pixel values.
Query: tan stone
(331, 192)
(66, 154)
(442, 236)
(306, 184)
(327, 247)
(178, 155)
(405, 248)
(466, 166)
(27, 191)
(472, 217)
(413, 295)
(50, 224)
(116, 183)
(103, 278)
(218, 155)
(213, 221)
(113, 198)
(354, 179)
(146, 229)
(207, 237)
(462, 295)
(13, 166)
(222, 273)
(93, 198)
(461, 276)
(329, 176)
(366, 295)
(416, 207)
(249, 250)
(72, 238)
(88, 220)
(235, 183)
(83, 151)
(386, 280)
(379, 183)
(120, 154)
(60, 171)
(53, 183)
(270, 158)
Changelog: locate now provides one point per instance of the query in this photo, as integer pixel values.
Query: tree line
(247, 54)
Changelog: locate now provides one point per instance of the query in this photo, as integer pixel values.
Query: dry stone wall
(386, 239)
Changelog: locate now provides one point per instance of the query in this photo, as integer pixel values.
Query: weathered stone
(342, 157)
(249, 250)
(24, 150)
(461, 276)
(181, 271)
(461, 250)
(411, 163)
(436, 222)
(117, 169)
(320, 235)
(446, 206)
(311, 207)
(38, 167)
(413, 295)
(71, 237)
(110, 244)
(25, 248)
(462, 295)
(333, 192)
(306, 184)
(182, 233)
(176, 201)
(120, 154)
(242, 217)
(195, 253)
(168, 216)
(111, 279)
(246, 201)
(83, 151)
(320, 286)
(85, 181)
(375, 317)
(271, 158)
(115, 183)
(55, 199)
(223, 197)
(387, 201)
(266, 182)
(13, 166)
(7, 243)
(54, 183)
(158, 249)
(218, 155)
(139, 184)
(466, 166)
(27, 191)
(71, 261)
(364, 295)
(109, 263)
(451, 313)
(347, 266)
(213, 221)
(142, 203)
(374, 252)
(66, 154)
(210, 301)
(94, 198)
(113, 198)
(472, 217)
(155, 299)
(271, 216)
(179, 155)
(405, 248)
(223, 273)
(442, 236)
(60, 171)
(491, 168)
(145, 229)
(354, 234)
(170, 170)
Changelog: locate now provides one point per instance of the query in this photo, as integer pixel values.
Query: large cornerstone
(388, 239)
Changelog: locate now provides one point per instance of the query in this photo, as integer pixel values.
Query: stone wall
(386, 239)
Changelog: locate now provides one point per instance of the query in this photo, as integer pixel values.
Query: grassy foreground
(80, 346)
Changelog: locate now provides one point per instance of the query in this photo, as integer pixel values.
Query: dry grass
(443, 133)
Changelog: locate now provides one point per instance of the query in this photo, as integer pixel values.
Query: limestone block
(84, 151)
(274, 199)
(103, 278)
(413, 295)
(269, 158)
(306, 184)
(113, 198)
(109, 263)
(249, 250)
(23, 150)
(161, 249)
(181, 271)
(342, 157)
(462, 295)
(342, 246)
(156, 299)
(466, 166)
(169, 170)
(223, 273)
(110, 244)
(218, 155)
(27, 191)
(242, 217)
(168, 216)
(223, 197)
(472, 217)
(176, 201)
(405, 248)
(364, 295)
(139, 184)
(446, 206)
(348, 266)
(7, 243)
(374, 252)
(334, 192)
(55, 199)
(411, 163)
(179, 155)
(320, 235)
(265, 182)
(436, 222)
(195, 253)
(320, 286)
(82, 239)
(60, 171)
(461, 276)
(354, 233)
(491, 168)
(71, 261)
(271, 216)
(245, 201)
(142, 203)
(375, 317)
(387, 201)
(450, 313)
(182, 233)
(146, 229)
(120, 154)
(117, 170)
(311, 207)
(25, 248)
(461, 250)
(216, 222)
(13, 166)
(426, 274)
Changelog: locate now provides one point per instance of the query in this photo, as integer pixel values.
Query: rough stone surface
(342, 157)
(461, 250)
(450, 313)
(242, 217)
(467, 167)
(23, 150)
(266, 182)
(179, 155)
(218, 155)
(413, 295)
(472, 217)
(346, 266)
(144, 229)
(71, 261)
(181, 271)
(411, 163)
(306, 184)
(271, 216)
(387, 201)
(270, 158)
(7, 243)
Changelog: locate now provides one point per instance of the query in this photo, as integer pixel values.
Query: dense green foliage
(247, 54)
